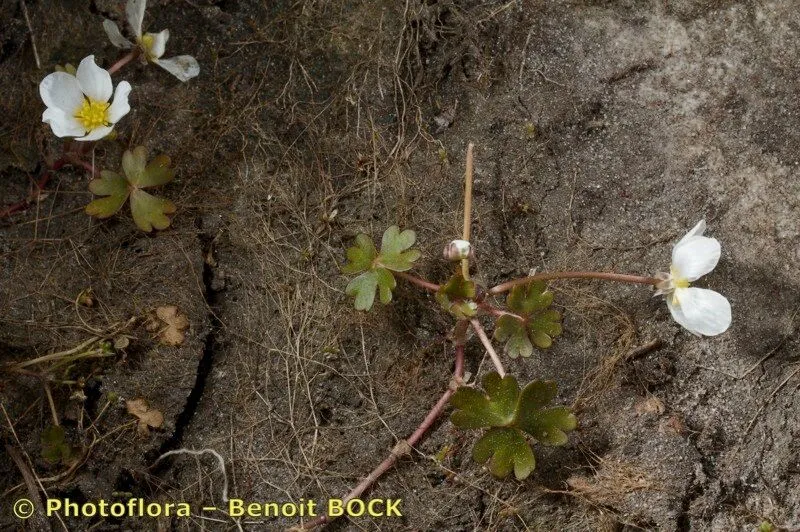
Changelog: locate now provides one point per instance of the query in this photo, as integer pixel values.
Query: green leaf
(495, 408)
(509, 414)
(529, 298)
(150, 212)
(512, 331)
(377, 267)
(133, 164)
(363, 288)
(114, 187)
(547, 425)
(506, 450)
(394, 244)
(55, 447)
(456, 297)
(156, 173)
(538, 324)
(394, 241)
(361, 255)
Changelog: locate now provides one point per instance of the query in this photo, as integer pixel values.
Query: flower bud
(458, 250)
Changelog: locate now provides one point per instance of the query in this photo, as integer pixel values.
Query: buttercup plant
(511, 417)
(79, 104)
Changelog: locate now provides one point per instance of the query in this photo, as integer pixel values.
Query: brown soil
(603, 131)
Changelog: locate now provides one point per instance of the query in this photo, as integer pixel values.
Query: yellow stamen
(92, 114)
(146, 42)
(677, 282)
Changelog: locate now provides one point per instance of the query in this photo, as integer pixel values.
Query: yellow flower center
(146, 42)
(677, 282)
(92, 114)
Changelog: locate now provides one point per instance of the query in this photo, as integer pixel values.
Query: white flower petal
(62, 123)
(115, 36)
(695, 257)
(183, 67)
(62, 91)
(97, 133)
(135, 13)
(159, 44)
(678, 316)
(697, 230)
(701, 311)
(119, 107)
(95, 81)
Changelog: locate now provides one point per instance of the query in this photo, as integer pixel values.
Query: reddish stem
(498, 365)
(34, 194)
(89, 167)
(404, 447)
(417, 281)
(606, 276)
(124, 60)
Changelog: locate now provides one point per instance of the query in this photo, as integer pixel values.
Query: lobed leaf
(114, 187)
(512, 331)
(509, 414)
(361, 255)
(506, 450)
(538, 326)
(134, 163)
(363, 288)
(495, 408)
(150, 212)
(55, 447)
(376, 268)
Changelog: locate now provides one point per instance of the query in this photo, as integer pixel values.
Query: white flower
(183, 67)
(703, 312)
(78, 106)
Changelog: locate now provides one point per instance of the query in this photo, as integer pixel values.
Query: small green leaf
(150, 212)
(363, 287)
(386, 283)
(133, 164)
(114, 187)
(394, 241)
(506, 450)
(55, 447)
(529, 298)
(394, 244)
(377, 267)
(512, 331)
(361, 255)
(495, 408)
(156, 173)
(457, 296)
(548, 425)
(538, 326)
(509, 413)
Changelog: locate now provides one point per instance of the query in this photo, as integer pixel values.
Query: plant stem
(417, 281)
(34, 194)
(605, 276)
(403, 447)
(476, 325)
(467, 206)
(89, 167)
(124, 60)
